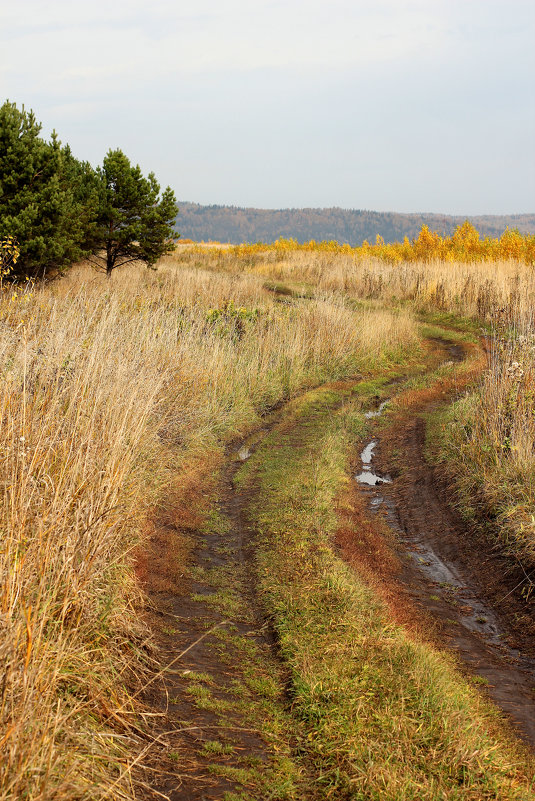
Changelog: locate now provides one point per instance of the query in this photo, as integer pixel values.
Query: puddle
(367, 453)
(244, 453)
(472, 613)
(371, 479)
(368, 476)
(434, 567)
(377, 412)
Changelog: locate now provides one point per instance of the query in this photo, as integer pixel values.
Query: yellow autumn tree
(511, 244)
(427, 245)
(466, 243)
(9, 254)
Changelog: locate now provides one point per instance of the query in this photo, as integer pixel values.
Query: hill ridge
(237, 224)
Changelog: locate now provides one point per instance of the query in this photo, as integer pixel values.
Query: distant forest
(234, 224)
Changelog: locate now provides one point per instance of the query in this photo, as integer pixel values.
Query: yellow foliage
(9, 254)
(464, 245)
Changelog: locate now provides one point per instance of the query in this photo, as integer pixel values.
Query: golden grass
(488, 445)
(466, 288)
(107, 386)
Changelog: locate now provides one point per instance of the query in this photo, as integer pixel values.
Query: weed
(217, 747)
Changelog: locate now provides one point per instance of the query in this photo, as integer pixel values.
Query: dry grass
(488, 444)
(106, 387)
(465, 288)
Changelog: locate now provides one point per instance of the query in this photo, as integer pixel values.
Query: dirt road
(224, 668)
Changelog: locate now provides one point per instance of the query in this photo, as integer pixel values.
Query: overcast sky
(422, 105)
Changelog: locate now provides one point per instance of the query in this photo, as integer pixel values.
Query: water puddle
(368, 475)
(367, 453)
(376, 412)
(249, 445)
(372, 479)
(244, 453)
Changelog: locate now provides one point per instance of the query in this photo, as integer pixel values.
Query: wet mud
(188, 629)
(448, 573)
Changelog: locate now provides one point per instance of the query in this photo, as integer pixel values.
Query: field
(196, 593)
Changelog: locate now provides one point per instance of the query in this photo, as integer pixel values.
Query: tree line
(56, 209)
(345, 226)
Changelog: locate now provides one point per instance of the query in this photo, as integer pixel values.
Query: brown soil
(187, 632)
(439, 577)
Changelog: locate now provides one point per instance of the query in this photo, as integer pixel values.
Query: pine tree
(134, 222)
(47, 198)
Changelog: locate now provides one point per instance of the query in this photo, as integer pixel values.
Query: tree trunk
(110, 255)
(110, 260)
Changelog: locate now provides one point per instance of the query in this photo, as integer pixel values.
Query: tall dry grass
(106, 385)
(77, 394)
(474, 289)
(489, 444)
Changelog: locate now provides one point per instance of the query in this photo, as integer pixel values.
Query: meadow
(111, 386)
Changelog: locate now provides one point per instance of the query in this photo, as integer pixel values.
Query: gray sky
(414, 105)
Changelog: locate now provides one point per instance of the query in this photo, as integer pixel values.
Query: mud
(188, 632)
(449, 573)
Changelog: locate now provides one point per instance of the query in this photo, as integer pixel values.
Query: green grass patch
(455, 323)
(300, 291)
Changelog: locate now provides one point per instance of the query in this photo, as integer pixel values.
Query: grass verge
(484, 443)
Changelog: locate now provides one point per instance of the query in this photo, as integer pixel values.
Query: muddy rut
(208, 624)
(213, 636)
(448, 571)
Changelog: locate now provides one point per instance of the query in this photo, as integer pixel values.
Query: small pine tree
(134, 222)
